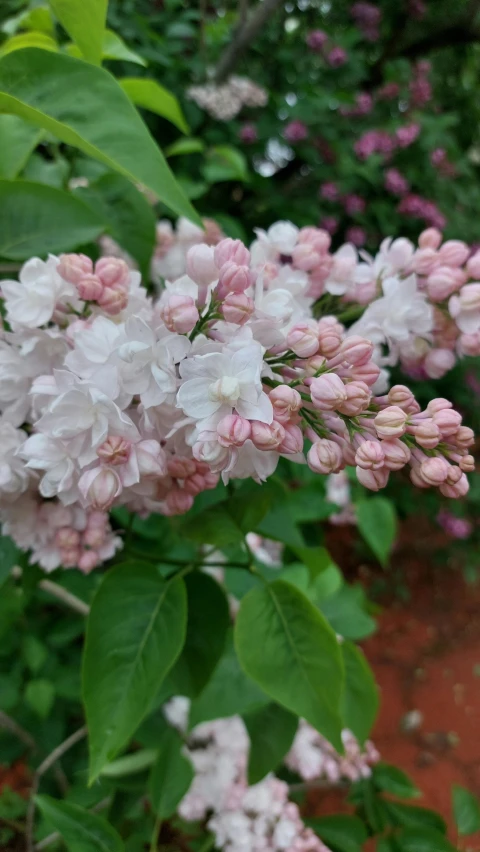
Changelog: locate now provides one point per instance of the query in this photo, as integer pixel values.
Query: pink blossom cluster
(367, 17)
(363, 106)
(416, 207)
(439, 159)
(313, 757)
(112, 397)
(260, 817)
(420, 86)
(385, 143)
(172, 243)
(319, 42)
(225, 100)
(460, 528)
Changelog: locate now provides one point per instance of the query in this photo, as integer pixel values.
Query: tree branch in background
(243, 37)
(13, 727)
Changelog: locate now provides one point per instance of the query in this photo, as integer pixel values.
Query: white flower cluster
(108, 396)
(225, 100)
(243, 818)
(313, 757)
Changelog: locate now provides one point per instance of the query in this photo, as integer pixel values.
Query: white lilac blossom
(314, 758)
(112, 397)
(225, 100)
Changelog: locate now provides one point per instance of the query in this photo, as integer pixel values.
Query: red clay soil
(426, 658)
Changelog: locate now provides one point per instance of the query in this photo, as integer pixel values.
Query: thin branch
(10, 267)
(47, 764)
(59, 592)
(13, 727)
(243, 37)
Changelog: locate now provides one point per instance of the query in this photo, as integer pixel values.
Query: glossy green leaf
(225, 163)
(171, 775)
(393, 780)
(317, 559)
(100, 120)
(346, 611)
(422, 840)
(128, 216)
(38, 18)
(288, 648)
(135, 632)
(36, 219)
(30, 39)
(278, 524)
(81, 830)
(214, 525)
(9, 556)
(114, 47)
(207, 626)
(342, 833)
(466, 810)
(84, 21)
(130, 764)
(185, 146)
(40, 695)
(377, 522)
(271, 730)
(150, 95)
(360, 698)
(412, 816)
(229, 691)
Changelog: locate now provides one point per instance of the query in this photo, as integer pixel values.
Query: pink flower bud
(94, 537)
(89, 287)
(448, 420)
(424, 261)
(325, 457)
(317, 237)
(72, 267)
(330, 336)
(234, 278)
(441, 283)
(390, 423)
(467, 464)
(114, 450)
(438, 404)
(233, 431)
(99, 487)
(367, 373)
(456, 490)
(464, 437)
(151, 458)
(229, 250)
(201, 265)
(453, 253)
(293, 440)
(194, 484)
(179, 313)
(401, 396)
(178, 502)
(328, 392)
(237, 308)
(427, 434)
(303, 340)
(374, 480)
(210, 480)
(305, 257)
(88, 561)
(430, 238)
(67, 538)
(267, 436)
(180, 467)
(70, 557)
(473, 265)
(438, 362)
(113, 272)
(434, 471)
(396, 453)
(358, 398)
(286, 401)
(370, 455)
(113, 301)
(469, 344)
(355, 351)
(97, 520)
(314, 365)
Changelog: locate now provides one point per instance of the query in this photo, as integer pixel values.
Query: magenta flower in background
(316, 40)
(388, 92)
(375, 142)
(421, 208)
(337, 56)
(363, 105)
(367, 18)
(456, 527)
(417, 9)
(248, 133)
(356, 235)
(406, 135)
(353, 204)
(329, 224)
(329, 191)
(295, 131)
(395, 182)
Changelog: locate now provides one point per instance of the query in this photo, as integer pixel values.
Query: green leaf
(466, 810)
(135, 632)
(114, 47)
(229, 691)
(34, 652)
(345, 611)
(215, 526)
(171, 775)
(127, 214)
(412, 816)
(422, 840)
(278, 524)
(18, 139)
(84, 21)
(36, 219)
(130, 764)
(250, 504)
(327, 583)
(341, 833)
(224, 163)
(40, 695)
(317, 559)
(38, 18)
(184, 146)
(271, 730)
(377, 522)
(100, 120)
(207, 626)
(360, 699)
(150, 95)
(9, 556)
(286, 646)
(391, 779)
(52, 172)
(31, 39)
(81, 830)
